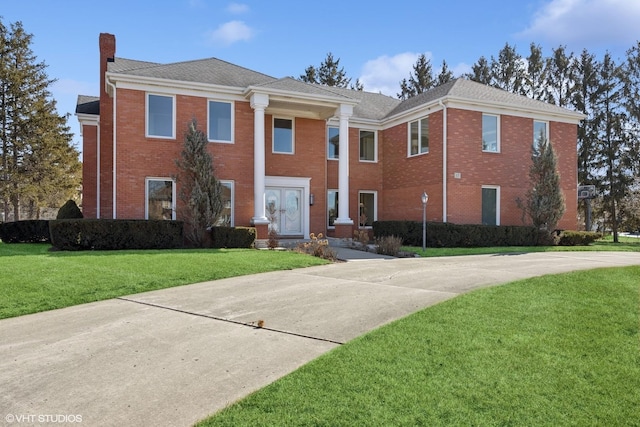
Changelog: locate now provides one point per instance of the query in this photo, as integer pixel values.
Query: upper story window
(419, 136)
(333, 142)
(490, 133)
(160, 116)
(539, 133)
(368, 146)
(283, 136)
(220, 121)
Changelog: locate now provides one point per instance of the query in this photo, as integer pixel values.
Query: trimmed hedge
(578, 238)
(115, 234)
(448, 235)
(27, 231)
(233, 237)
(69, 211)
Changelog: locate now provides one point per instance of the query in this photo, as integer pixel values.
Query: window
(332, 206)
(160, 118)
(491, 205)
(490, 133)
(539, 133)
(283, 136)
(333, 142)
(226, 215)
(367, 146)
(161, 196)
(419, 136)
(220, 121)
(367, 206)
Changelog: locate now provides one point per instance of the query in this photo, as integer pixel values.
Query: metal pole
(424, 227)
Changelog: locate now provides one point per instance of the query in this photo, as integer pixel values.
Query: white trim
(498, 145)
(375, 146)
(146, 194)
(327, 138)
(295, 182)
(273, 135)
(418, 121)
(497, 188)
(375, 207)
(232, 124)
(146, 116)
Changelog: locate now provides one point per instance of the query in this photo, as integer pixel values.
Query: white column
(259, 102)
(344, 113)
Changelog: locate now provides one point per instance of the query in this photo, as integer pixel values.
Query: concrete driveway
(174, 356)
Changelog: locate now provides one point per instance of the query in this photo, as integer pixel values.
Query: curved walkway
(174, 356)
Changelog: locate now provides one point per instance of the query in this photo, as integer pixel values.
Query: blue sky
(377, 42)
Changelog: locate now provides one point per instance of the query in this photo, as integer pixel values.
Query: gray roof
(210, 71)
(88, 105)
(374, 106)
(473, 91)
(290, 84)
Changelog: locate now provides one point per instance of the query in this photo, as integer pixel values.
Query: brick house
(279, 148)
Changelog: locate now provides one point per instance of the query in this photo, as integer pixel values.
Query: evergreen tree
(310, 75)
(544, 203)
(480, 72)
(632, 102)
(200, 191)
(39, 166)
(560, 81)
(507, 72)
(329, 73)
(420, 80)
(445, 75)
(535, 80)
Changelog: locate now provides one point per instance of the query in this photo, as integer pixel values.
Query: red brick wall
(107, 50)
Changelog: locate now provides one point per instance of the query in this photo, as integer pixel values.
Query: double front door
(284, 209)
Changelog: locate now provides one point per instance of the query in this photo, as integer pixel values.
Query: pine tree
(420, 80)
(329, 73)
(535, 80)
(200, 191)
(480, 72)
(544, 203)
(310, 75)
(445, 75)
(559, 79)
(507, 71)
(39, 166)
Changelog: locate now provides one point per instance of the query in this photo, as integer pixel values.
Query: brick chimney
(107, 54)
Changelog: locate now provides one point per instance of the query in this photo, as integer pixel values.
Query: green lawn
(553, 350)
(626, 244)
(35, 279)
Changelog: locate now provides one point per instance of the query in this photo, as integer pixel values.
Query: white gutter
(98, 172)
(444, 160)
(113, 215)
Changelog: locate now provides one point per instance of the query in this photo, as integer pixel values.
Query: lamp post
(425, 199)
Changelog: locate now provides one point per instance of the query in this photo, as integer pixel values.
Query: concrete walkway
(174, 356)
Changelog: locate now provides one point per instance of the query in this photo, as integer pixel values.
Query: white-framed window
(368, 211)
(419, 136)
(540, 132)
(220, 119)
(490, 205)
(283, 131)
(333, 142)
(161, 116)
(226, 216)
(368, 146)
(160, 198)
(332, 207)
(490, 133)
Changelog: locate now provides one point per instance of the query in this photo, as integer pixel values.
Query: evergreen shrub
(233, 237)
(69, 211)
(27, 231)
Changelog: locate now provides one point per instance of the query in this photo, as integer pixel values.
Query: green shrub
(457, 235)
(69, 211)
(233, 237)
(578, 238)
(28, 231)
(115, 234)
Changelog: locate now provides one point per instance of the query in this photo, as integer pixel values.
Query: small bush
(28, 231)
(318, 247)
(273, 241)
(361, 236)
(389, 245)
(578, 238)
(69, 211)
(115, 234)
(233, 237)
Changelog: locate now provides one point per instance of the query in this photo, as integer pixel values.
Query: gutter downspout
(113, 203)
(98, 171)
(444, 160)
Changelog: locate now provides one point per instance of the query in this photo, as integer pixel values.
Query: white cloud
(586, 21)
(237, 8)
(231, 32)
(384, 73)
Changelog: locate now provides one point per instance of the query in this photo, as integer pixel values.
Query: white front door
(284, 209)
